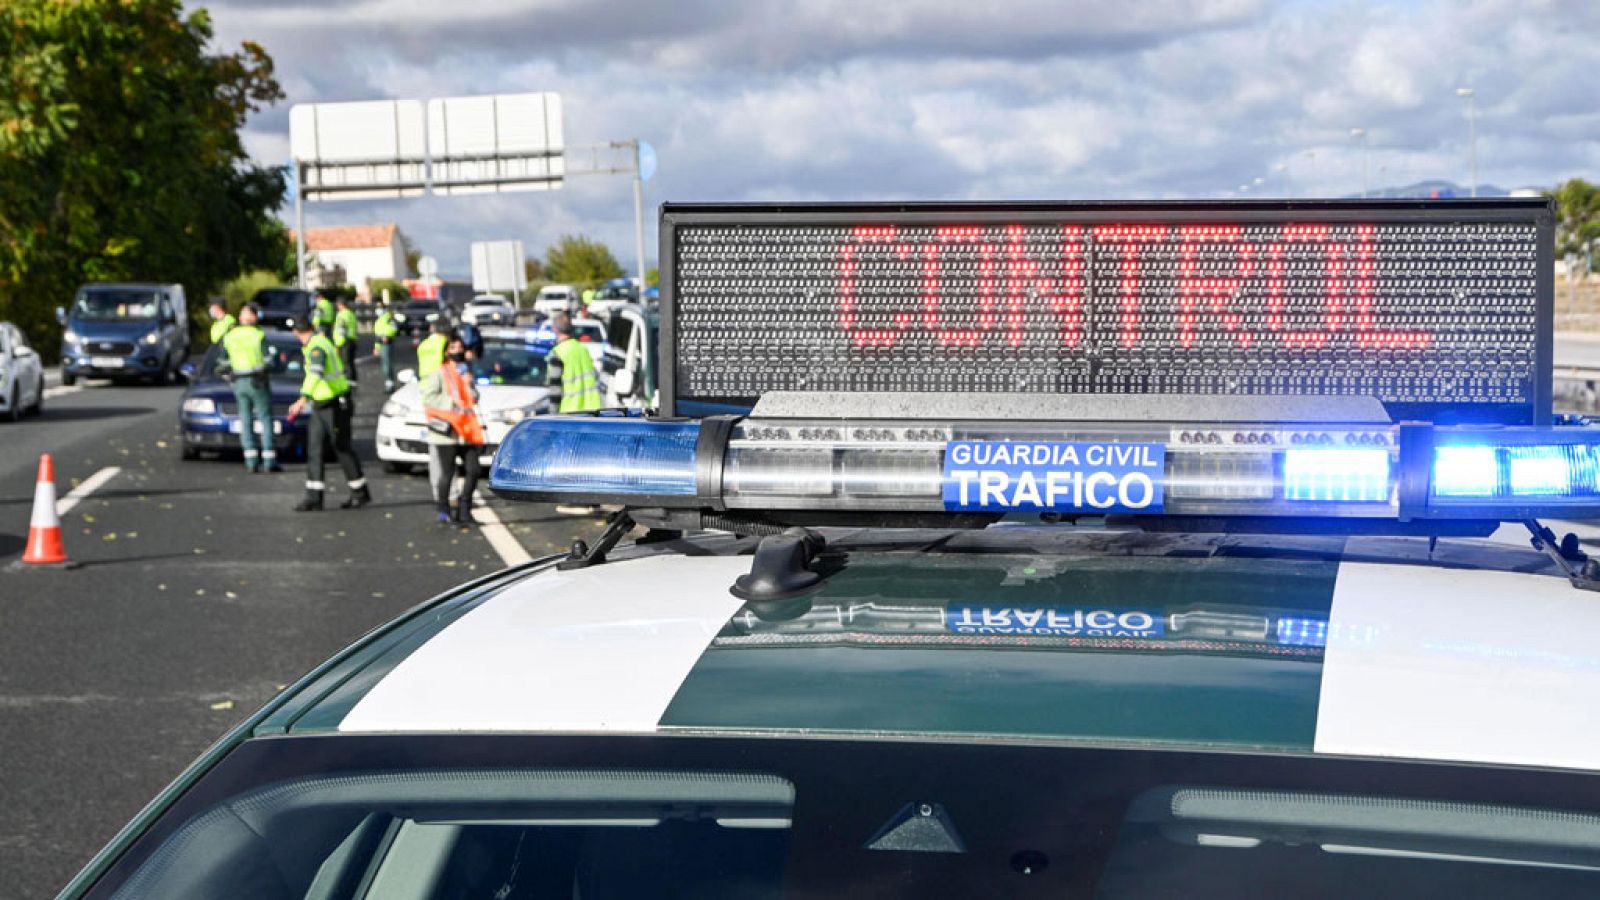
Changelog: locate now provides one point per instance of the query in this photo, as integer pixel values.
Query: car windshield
(423, 306)
(589, 332)
(424, 817)
(280, 299)
(488, 301)
(106, 305)
(511, 362)
(284, 358)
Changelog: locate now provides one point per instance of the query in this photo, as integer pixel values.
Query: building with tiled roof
(364, 253)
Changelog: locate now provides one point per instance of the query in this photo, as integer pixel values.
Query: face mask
(458, 357)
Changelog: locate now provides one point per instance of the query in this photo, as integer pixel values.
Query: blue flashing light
(1465, 471)
(1302, 632)
(597, 455)
(1336, 474)
(1521, 471)
(1539, 471)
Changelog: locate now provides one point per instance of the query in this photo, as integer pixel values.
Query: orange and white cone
(44, 530)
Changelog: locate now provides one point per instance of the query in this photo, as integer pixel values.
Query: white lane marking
(1433, 663)
(85, 488)
(511, 551)
(598, 649)
(61, 391)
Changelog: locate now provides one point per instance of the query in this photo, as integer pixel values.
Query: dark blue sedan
(210, 419)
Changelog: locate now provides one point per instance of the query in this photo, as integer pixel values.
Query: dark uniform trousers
(330, 430)
(347, 356)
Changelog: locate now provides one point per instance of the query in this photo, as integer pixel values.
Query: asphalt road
(1578, 350)
(199, 595)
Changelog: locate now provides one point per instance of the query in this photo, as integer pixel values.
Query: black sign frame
(1536, 211)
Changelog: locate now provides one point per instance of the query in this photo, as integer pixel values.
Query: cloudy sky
(953, 99)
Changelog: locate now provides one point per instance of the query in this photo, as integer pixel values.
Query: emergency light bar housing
(1441, 310)
(1414, 472)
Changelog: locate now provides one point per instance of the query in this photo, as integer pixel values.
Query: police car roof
(1362, 646)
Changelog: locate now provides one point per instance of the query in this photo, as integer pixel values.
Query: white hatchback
(511, 386)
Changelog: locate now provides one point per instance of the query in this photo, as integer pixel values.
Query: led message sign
(1439, 310)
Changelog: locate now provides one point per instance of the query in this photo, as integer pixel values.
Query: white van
(554, 298)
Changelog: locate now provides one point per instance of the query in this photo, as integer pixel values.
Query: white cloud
(835, 99)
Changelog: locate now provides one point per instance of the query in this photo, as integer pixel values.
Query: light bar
(597, 459)
(767, 466)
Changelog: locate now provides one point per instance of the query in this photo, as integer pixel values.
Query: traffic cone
(44, 530)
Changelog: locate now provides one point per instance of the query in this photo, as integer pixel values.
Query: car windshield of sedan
(508, 362)
(284, 359)
(112, 305)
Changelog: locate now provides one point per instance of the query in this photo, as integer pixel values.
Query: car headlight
(395, 409)
(517, 414)
(70, 337)
(153, 338)
(204, 406)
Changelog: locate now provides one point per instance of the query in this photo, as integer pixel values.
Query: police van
(1003, 550)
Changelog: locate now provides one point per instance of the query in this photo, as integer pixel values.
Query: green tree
(398, 292)
(239, 291)
(652, 277)
(580, 261)
(533, 269)
(413, 254)
(120, 155)
(1577, 216)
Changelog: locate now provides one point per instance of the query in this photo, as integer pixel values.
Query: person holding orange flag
(450, 400)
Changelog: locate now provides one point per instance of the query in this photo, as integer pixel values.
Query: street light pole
(1360, 134)
(638, 214)
(1471, 96)
(299, 226)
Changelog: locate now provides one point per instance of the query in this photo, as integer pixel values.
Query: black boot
(310, 503)
(358, 498)
(463, 513)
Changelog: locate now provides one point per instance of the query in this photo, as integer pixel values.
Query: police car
(1175, 552)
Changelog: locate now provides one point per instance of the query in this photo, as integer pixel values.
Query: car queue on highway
(134, 333)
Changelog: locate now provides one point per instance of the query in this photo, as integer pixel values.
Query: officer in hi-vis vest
(326, 395)
(245, 356)
(570, 369)
(346, 330)
(221, 322)
(384, 331)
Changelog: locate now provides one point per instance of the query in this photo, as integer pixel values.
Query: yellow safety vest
(580, 386)
(322, 314)
(328, 384)
(345, 327)
(384, 327)
(246, 346)
(221, 327)
(430, 354)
